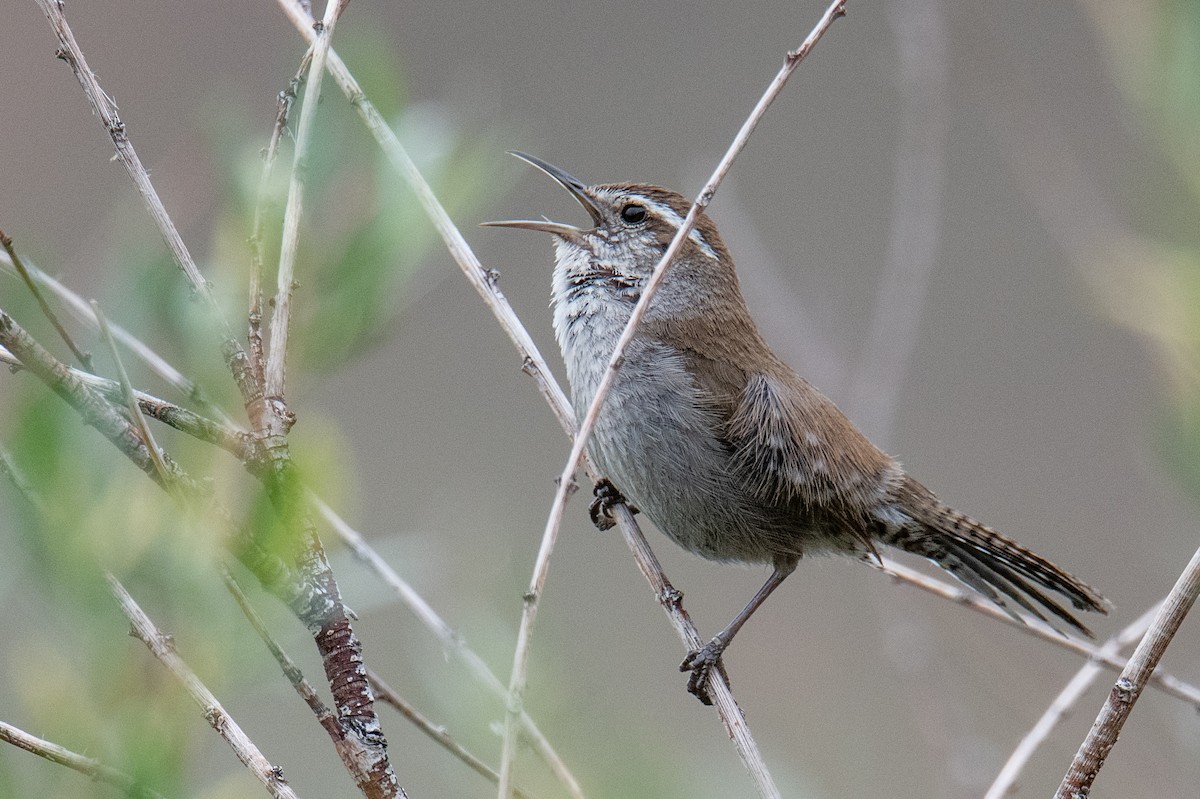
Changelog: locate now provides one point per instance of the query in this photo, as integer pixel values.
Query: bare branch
(163, 647)
(84, 765)
(541, 565)
(275, 375)
(483, 280)
(106, 109)
(452, 641)
(82, 311)
(85, 360)
(131, 402)
(913, 241)
(287, 98)
(1103, 736)
(438, 733)
(1006, 780)
(230, 439)
(1165, 682)
(346, 746)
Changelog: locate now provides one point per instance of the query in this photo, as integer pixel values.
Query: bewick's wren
(727, 450)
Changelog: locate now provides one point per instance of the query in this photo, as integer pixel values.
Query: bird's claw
(601, 510)
(701, 663)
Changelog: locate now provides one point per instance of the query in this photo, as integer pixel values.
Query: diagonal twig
(82, 311)
(388, 695)
(255, 316)
(163, 647)
(554, 522)
(326, 717)
(105, 108)
(452, 640)
(131, 401)
(84, 765)
(229, 439)
(1006, 780)
(1077, 782)
(1167, 683)
(275, 370)
(85, 360)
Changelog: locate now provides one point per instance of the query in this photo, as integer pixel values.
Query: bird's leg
(606, 496)
(701, 662)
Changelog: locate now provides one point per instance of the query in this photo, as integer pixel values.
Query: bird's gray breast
(659, 443)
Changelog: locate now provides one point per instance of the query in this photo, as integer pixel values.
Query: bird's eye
(633, 213)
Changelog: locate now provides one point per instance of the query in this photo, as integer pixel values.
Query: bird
(723, 446)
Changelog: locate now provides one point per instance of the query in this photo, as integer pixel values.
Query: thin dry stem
(82, 311)
(276, 366)
(84, 765)
(913, 240)
(1100, 740)
(481, 279)
(227, 438)
(85, 360)
(1006, 780)
(106, 109)
(131, 401)
(325, 717)
(554, 522)
(1165, 682)
(388, 695)
(452, 641)
(163, 647)
(257, 308)
(730, 712)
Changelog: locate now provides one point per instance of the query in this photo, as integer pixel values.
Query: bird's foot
(601, 509)
(701, 663)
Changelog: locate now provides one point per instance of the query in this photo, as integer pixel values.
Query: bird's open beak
(578, 190)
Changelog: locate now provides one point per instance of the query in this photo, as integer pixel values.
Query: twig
(1077, 783)
(276, 373)
(1063, 703)
(1166, 683)
(106, 109)
(438, 733)
(565, 480)
(287, 98)
(84, 765)
(163, 647)
(452, 641)
(671, 600)
(326, 717)
(483, 280)
(227, 438)
(82, 311)
(85, 360)
(533, 364)
(131, 402)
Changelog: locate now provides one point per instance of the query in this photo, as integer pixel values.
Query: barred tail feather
(998, 568)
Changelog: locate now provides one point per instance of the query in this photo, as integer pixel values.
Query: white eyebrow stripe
(669, 214)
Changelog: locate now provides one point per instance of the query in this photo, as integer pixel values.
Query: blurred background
(973, 225)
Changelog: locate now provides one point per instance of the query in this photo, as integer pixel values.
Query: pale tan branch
(1165, 682)
(766, 787)
(163, 647)
(1006, 780)
(276, 366)
(452, 641)
(1100, 740)
(105, 108)
(388, 695)
(84, 765)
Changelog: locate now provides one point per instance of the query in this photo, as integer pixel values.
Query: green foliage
(364, 241)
